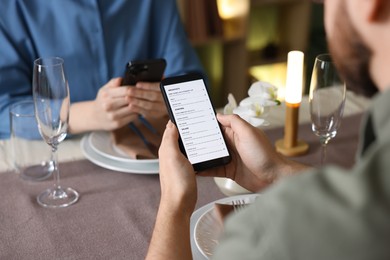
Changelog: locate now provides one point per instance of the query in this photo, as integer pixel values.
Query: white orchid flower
(231, 105)
(249, 115)
(263, 90)
(254, 108)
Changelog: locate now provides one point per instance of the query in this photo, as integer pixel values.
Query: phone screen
(194, 116)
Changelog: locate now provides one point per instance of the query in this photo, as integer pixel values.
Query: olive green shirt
(329, 213)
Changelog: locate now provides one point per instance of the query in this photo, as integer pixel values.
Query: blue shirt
(96, 38)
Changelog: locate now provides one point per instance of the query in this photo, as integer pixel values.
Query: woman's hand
(146, 99)
(110, 110)
(112, 107)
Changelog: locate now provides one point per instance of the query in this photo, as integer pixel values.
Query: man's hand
(171, 235)
(255, 162)
(177, 176)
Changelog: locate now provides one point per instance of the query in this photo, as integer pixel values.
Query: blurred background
(242, 41)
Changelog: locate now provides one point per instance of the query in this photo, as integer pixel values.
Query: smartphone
(144, 70)
(191, 110)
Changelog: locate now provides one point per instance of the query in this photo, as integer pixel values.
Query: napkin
(128, 142)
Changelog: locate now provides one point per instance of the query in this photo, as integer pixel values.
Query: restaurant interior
(239, 42)
(243, 41)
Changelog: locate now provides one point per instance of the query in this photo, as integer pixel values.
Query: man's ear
(377, 10)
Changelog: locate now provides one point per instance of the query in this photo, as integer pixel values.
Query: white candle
(290, 145)
(294, 81)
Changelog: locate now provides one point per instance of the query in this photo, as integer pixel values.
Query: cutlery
(238, 205)
(151, 147)
(148, 125)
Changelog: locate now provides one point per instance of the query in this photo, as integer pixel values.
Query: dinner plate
(101, 143)
(116, 165)
(206, 228)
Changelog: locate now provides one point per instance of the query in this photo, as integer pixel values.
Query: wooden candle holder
(290, 146)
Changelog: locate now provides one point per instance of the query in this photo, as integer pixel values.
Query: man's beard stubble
(351, 55)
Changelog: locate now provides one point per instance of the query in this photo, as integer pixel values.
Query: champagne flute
(52, 102)
(327, 99)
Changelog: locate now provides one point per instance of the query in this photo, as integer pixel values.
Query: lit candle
(289, 145)
(294, 80)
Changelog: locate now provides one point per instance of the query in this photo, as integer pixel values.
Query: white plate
(115, 165)
(101, 143)
(206, 228)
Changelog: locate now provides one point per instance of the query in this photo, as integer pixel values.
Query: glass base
(58, 197)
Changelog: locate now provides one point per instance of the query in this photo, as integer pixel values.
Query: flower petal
(261, 88)
(243, 112)
(255, 121)
(270, 103)
(232, 101)
(246, 102)
(228, 109)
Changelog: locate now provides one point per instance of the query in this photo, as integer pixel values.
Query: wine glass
(52, 102)
(327, 99)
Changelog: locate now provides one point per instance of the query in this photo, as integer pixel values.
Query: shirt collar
(376, 127)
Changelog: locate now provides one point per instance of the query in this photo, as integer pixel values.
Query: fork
(151, 147)
(148, 125)
(238, 205)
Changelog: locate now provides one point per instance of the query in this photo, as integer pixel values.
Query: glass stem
(56, 172)
(324, 143)
(323, 153)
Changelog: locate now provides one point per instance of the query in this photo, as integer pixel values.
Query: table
(69, 150)
(115, 216)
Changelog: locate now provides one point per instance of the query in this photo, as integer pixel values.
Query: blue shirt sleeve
(96, 39)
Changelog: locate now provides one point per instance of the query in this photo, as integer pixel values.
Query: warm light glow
(273, 73)
(294, 81)
(228, 9)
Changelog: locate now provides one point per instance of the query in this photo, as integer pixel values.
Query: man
(327, 213)
(96, 38)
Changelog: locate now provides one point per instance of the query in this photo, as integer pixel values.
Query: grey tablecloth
(341, 150)
(115, 216)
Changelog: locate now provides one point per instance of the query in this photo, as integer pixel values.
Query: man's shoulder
(324, 214)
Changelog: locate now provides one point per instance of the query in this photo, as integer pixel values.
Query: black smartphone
(191, 110)
(144, 70)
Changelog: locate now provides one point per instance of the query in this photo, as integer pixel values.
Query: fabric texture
(96, 38)
(113, 219)
(329, 213)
